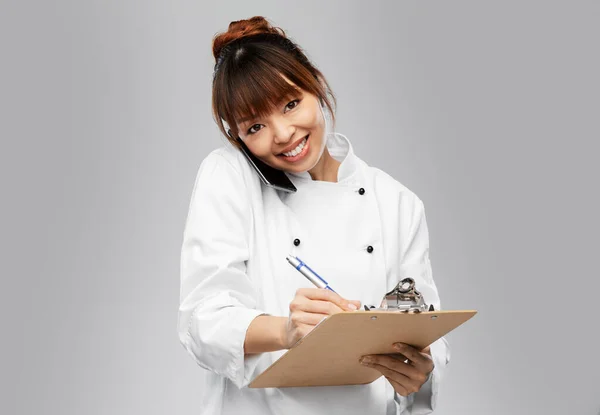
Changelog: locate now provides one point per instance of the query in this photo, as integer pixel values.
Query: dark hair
(250, 59)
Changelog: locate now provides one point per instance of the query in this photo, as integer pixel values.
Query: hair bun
(242, 28)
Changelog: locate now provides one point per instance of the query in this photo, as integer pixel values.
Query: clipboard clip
(404, 298)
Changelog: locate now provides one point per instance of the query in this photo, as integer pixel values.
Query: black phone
(270, 176)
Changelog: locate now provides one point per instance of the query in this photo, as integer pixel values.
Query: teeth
(297, 150)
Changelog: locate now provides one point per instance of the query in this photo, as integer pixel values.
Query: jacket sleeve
(217, 298)
(415, 263)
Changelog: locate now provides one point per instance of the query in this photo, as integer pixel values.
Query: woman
(242, 304)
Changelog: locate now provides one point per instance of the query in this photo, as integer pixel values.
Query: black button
(369, 249)
(361, 191)
(296, 241)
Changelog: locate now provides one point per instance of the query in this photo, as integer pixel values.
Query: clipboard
(329, 355)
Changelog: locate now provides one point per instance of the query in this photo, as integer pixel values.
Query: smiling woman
(256, 68)
(242, 305)
(267, 92)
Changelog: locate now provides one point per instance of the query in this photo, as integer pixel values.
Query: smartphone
(270, 176)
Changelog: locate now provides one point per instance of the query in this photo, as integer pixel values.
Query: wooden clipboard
(329, 355)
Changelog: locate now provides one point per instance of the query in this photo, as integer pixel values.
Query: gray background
(487, 110)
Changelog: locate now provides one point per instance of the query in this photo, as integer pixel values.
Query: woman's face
(290, 137)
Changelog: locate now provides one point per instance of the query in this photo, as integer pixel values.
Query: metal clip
(403, 298)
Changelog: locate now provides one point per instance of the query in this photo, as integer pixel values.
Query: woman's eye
(294, 102)
(251, 131)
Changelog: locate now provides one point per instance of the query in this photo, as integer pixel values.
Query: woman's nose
(282, 132)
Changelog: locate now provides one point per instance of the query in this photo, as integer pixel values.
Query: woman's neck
(326, 169)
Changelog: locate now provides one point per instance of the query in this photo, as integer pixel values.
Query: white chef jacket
(233, 268)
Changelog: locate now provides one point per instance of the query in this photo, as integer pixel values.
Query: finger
(398, 387)
(398, 356)
(320, 307)
(356, 303)
(325, 295)
(328, 295)
(398, 366)
(312, 319)
(404, 383)
(420, 360)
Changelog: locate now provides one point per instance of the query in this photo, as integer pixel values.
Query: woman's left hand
(406, 378)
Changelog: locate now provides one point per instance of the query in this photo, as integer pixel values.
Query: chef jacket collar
(340, 149)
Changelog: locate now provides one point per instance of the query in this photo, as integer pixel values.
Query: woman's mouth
(298, 153)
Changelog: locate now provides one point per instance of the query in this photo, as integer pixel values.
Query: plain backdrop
(487, 110)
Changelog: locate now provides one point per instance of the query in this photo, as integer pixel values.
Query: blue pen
(308, 273)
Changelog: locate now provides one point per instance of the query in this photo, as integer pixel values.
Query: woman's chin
(300, 167)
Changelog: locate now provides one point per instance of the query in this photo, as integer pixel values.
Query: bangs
(256, 93)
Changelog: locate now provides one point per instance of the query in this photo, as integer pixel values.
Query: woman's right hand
(308, 308)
